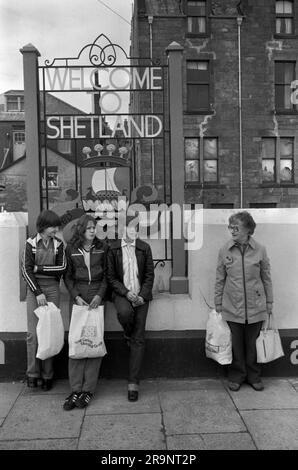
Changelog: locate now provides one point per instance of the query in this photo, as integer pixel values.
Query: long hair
(78, 238)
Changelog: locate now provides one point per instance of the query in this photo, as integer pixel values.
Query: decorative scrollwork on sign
(102, 53)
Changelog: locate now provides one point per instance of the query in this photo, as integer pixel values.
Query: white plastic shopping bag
(86, 332)
(49, 330)
(268, 344)
(218, 343)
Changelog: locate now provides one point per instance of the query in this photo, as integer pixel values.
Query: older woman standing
(243, 295)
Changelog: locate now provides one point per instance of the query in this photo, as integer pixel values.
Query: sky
(57, 28)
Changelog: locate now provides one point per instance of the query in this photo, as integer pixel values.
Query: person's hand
(95, 302)
(41, 300)
(131, 296)
(269, 306)
(35, 269)
(139, 301)
(80, 301)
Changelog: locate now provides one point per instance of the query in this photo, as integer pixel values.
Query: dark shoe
(258, 386)
(32, 382)
(234, 386)
(47, 384)
(84, 400)
(132, 395)
(70, 401)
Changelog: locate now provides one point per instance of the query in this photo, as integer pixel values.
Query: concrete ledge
(171, 354)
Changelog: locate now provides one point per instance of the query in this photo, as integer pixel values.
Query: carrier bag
(49, 330)
(218, 343)
(86, 332)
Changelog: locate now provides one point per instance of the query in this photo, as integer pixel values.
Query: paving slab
(199, 411)
(122, 432)
(112, 401)
(185, 442)
(190, 384)
(8, 395)
(40, 444)
(294, 383)
(41, 417)
(220, 441)
(273, 429)
(59, 387)
(228, 441)
(278, 394)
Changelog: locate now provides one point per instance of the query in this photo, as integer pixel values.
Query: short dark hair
(246, 219)
(47, 219)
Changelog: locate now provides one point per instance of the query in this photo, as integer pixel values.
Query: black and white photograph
(148, 229)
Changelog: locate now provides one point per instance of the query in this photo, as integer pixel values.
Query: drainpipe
(150, 21)
(239, 23)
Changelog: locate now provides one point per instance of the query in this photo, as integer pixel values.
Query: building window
(198, 86)
(64, 146)
(262, 205)
(197, 18)
(286, 160)
(284, 75)
(284, 12)
(207, 164)
(14, 103)
(52, 177)
(278, 160)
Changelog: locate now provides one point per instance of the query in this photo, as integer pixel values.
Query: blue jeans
(36, 367)
(133, 322)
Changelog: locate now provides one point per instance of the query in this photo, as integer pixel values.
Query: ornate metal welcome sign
(103, 126)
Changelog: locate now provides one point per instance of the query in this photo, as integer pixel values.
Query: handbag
(86, 332)
(218, 342)
(268, 344)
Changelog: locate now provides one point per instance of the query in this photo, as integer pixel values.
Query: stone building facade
(240, 119)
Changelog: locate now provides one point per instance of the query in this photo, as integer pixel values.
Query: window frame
(292, 16)
(201, 159)
(19, 99)
(278, 158)
(207, 19)
(199, 82)
(294, 107)
(46, 172)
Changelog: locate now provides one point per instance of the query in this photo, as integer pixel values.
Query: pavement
(186, 414)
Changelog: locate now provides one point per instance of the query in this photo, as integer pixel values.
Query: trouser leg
(137, 345)
(237, 370)
(33, 364)
(253, 368)
(91, 373)
(125, 314)
(76, 374)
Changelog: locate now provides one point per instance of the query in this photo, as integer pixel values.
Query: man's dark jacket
(145, 269)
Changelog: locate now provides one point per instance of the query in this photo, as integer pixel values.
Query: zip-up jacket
(243, 284)
(28, 263)
(145, 269)
(78, 273)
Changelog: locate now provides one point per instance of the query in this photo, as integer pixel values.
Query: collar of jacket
(124, 243)
(140, 245)
(251, 243)
(34, 240)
